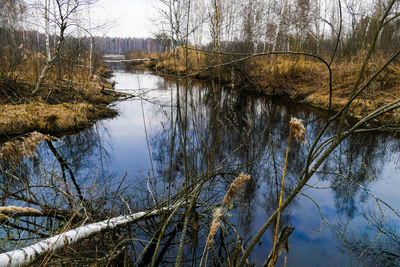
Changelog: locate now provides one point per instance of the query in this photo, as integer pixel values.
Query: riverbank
(60, 106)
(302, 79)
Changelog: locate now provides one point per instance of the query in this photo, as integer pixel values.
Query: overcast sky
(131, 18)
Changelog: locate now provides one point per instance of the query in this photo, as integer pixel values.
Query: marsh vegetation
(209, 171)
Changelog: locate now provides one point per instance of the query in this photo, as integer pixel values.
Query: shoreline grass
(301, 79)
(36, 116)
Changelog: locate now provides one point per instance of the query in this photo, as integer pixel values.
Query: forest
(241, 133)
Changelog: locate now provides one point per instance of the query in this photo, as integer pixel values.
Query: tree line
(286, 25)
(125, 45)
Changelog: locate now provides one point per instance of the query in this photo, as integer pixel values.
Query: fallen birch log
(27, 255)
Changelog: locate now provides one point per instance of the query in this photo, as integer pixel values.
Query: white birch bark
(25, 256)
(46, 26)
(279, 27)
(91, 41)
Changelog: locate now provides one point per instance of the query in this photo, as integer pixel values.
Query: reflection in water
(200, 131)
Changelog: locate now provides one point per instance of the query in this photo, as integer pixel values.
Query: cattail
(14, 209)
(297, 128)
(234, 189)
(15, 150)
(214, 226)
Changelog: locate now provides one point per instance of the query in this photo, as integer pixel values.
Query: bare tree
(64, 16)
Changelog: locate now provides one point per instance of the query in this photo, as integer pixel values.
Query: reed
(297, 129)
(234, 189)
(4, 217)
(214, 226)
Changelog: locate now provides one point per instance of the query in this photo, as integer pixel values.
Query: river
(337, 221)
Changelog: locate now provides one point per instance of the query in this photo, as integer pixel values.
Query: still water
(171, 130)
(261, 126)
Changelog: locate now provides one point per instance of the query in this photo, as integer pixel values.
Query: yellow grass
(69, 82)
(303, 79)
(22, 118)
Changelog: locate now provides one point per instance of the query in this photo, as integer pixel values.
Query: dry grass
(135, 55)
(16, 119)
(302, 79)
(70, 98)
(197, 60)
(30, 64)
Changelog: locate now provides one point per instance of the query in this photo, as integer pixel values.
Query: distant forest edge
(34, 40)
(125, 45)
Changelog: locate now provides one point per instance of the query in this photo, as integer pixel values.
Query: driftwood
(282, 244)
(27, 255)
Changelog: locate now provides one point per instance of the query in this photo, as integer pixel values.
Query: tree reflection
(219, 125)
(209, 134)
(43, 182)
(377, 244)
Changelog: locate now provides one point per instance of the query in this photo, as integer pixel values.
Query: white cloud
(128, 18)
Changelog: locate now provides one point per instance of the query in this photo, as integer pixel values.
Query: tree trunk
(27, 255)
(50, 63)
(278, 28)
(46, 23)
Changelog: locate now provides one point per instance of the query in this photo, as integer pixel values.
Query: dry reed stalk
(15, 150)
(297, 129)
(14, 209)
(4, 217)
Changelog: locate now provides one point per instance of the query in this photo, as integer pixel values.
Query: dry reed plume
(234, 188)
(214, 226)
(14, 209)
(15, 150)
(297, 128)
(232, 192)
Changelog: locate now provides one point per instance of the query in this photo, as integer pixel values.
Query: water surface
(337, 221)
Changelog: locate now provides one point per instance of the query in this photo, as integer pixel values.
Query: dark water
(228, 132)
